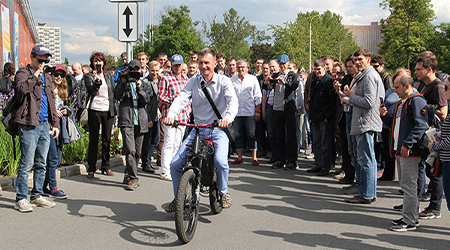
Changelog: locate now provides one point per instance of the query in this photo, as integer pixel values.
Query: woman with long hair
(56, 144)
(101, 111)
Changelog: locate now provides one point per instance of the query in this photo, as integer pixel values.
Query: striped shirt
(444, 146)
(170, 87)
(269, 95)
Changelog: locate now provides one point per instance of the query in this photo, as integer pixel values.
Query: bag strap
(210, 100)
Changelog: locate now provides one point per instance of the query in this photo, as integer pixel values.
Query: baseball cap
(283, 58)
(176, 59)
(58, 67)
(134, 64)
(40, 50)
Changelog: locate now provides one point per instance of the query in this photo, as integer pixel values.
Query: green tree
(439, 43)
(233, 35)
(111, 61)
(66, 61)
(263, 50)
(176, 34)
(405, 30)
(329, 37)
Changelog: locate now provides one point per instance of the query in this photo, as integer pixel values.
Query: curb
(61, 172)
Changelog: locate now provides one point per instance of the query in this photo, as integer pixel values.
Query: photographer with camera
(37, 123)
(133, 119)
(101, 110)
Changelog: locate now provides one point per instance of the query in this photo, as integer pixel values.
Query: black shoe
(315, 169)
(345, 181)
(323, 172)
(154, 167)
(272, 161)
(291, 166)
(148, 170)
(403, 227)
(158, 163)
(398, 208)
(399, 221)
(261, 154)
(426, 197)
(278, 164)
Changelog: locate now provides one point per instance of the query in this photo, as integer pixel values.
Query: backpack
(9, 114)
(5, 85)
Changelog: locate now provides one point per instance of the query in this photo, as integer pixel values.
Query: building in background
(367, 36)
(50, 37)
(19, 33)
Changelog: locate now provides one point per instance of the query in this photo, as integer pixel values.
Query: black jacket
(126, 106)
(322, 99)
(92, 85)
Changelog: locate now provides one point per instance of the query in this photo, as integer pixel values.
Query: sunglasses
(446, 87)
(62, 75)
(375, 66)
(43, 61)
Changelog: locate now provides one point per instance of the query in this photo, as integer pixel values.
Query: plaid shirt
(170, 87)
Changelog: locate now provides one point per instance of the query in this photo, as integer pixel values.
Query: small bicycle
(199, 176)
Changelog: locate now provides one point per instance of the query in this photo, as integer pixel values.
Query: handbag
(84, 115)
(74, 132)
(230, 131)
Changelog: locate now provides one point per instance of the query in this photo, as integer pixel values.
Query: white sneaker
(43, 202)
(165, 177)
(23, 206)
(310, 156)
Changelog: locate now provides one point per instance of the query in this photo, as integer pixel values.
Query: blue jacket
(412, 126)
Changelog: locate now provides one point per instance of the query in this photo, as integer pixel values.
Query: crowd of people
(353, 110)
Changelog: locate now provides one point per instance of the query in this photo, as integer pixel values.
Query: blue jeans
(247, 124)
(34, 145)
(351, 139)
(271, 131)
(53, 161)
(368, 165)
(446, 181)
(151, 141)
(220, 140)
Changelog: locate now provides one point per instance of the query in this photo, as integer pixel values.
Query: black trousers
(95, 118)
(285, 125)
(322, 144)
(347, 166)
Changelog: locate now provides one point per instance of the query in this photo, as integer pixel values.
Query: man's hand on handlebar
(223, 123)
(168, 121)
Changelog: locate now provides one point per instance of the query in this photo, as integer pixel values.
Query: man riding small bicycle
(224, 97)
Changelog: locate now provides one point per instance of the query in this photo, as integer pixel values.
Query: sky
(88, 25)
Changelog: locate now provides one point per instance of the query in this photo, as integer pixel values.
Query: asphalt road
(272, 209)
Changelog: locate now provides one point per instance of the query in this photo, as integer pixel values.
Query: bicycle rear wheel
(187, 207)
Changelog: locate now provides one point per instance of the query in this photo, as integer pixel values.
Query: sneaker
(397, 222)
(398, 208)
(58, 194)
(353, 190)
(403, 227)
(46, 192)
(225, 200)
(310, 156)
(429, 214)
(171, 207)
(340, 176)
(132, 185)
(23, 206)
(426, 197)
(278, 164)
(42, 202)
(165, 177)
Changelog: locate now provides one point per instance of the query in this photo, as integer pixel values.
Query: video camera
(130, 76)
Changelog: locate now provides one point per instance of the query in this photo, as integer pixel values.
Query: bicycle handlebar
(208, 125)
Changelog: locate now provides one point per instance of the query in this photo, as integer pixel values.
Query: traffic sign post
(128, 22)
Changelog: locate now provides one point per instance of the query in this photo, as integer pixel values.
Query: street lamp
(310, 41)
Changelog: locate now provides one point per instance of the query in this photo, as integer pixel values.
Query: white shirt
(101, 101)
(221, 91)
(248, 94)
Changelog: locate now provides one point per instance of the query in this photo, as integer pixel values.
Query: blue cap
(283, 58)
(176, 59)
(40, 50)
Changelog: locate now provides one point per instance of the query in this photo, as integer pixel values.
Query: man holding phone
(39, 120)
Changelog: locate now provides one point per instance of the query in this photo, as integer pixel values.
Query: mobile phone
(273, 81)
(98, 68)
(381, 102)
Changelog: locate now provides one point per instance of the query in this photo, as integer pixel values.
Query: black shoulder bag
(230, 129)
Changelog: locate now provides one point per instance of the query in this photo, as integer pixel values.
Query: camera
(49, 69)
(98, 68)
(130, 76)
(340, 73)
(273, 81)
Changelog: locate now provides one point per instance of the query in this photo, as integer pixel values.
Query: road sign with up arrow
(128, 22)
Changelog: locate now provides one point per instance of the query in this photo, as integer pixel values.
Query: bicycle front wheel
(187, 207)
